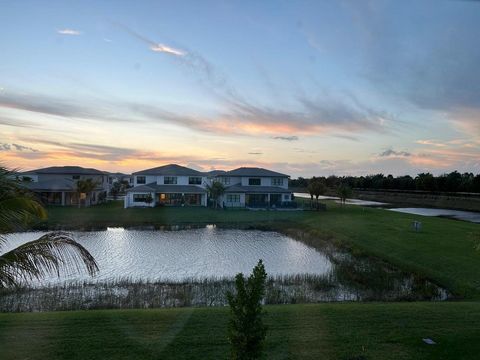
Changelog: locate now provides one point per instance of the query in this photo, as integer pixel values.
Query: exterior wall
(101, 179)
(264, 181)
(181, 180)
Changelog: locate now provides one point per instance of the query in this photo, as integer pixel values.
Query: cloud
(392, 153)
(285, 138)
(432, 63)
(154, 46)
(16, 147)
(69, 32)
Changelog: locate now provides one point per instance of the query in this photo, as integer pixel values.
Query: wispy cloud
(154, 46)
(16, 147)
(390, 153)
(285, 138)
(67, 31)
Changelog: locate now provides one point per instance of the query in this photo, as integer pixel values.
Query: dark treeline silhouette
(452, 182)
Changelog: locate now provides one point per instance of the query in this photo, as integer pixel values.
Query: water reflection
(196, 268)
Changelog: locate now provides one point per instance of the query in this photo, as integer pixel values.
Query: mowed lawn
(445, 251)
(322, 331)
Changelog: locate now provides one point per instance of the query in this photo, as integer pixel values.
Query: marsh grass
(128, 293)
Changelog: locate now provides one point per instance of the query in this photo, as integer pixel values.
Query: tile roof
(171, 169)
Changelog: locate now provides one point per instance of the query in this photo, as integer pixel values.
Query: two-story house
(167, 185)
(254, 187)
(57, 185)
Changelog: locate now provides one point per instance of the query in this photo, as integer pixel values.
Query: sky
(303, 87)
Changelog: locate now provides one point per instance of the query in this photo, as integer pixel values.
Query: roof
(256, 189)
(153, 187)
(171, 169)
(77, 170)
(253, 171)
(214, 173)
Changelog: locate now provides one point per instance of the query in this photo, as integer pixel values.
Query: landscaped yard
(325, 331)
(444, 251)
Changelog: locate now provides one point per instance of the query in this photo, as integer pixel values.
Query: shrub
(246, 331)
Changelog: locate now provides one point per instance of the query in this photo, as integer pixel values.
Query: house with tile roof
(57, 185)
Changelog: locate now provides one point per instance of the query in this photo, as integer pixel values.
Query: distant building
(57, 185)
(255, 188)
(178, 185)
(168, 185)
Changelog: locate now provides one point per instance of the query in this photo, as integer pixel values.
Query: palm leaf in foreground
(48, 255)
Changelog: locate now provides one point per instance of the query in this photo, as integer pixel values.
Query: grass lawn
(444, 251)
(323, 331)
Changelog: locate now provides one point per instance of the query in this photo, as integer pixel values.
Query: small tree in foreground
(246, 330)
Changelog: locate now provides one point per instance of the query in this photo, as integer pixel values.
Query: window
(76, 177)
(195, 180)
(141, 179)
(254, 181)
(140, 197)
(172, 180)
(225, 180)
(277, 181)
(286, 197)
(233, 198)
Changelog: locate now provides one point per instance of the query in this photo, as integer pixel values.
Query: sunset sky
(306, 88)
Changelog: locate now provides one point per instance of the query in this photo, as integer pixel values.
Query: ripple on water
(195, 253)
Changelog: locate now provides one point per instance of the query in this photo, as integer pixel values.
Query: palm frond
(16, 212)
(48, 255)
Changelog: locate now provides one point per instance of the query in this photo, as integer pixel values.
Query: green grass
(444, 251)
(324, 331)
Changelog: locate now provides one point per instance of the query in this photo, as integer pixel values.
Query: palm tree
(316, 187)
(49, 254)
(215, 190)
(344, 191)
(85, 187)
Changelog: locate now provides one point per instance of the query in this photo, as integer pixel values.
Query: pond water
(348, 201)
(195, 267)
(455, 214)
(198, 253)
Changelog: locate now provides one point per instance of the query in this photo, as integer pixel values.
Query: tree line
(451, 182)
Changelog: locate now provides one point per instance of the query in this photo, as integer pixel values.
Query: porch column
(63, 198)
(268, 200)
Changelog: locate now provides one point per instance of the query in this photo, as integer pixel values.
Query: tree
(85, 187)
(215, 190)
(344, 191)
(246, 330)
(50, 254)
(116, 189)
(316, 187)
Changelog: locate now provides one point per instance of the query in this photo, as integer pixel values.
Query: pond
(455, 214)
(337, 200)
(196, 267)
(186, 254)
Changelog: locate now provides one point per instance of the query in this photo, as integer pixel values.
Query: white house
(178, 185)
(167, 185)
(254, 187)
